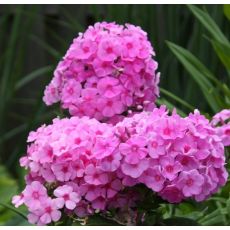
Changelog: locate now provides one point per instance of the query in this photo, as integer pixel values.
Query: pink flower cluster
(106, 72)
(177, 157)
(86, 166)
(75, 161)
(222, 122)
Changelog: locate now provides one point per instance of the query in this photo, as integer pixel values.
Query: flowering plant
(84, 165)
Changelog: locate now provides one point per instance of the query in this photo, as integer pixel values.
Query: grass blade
(14, 210)
(191, 63)
(28, 78)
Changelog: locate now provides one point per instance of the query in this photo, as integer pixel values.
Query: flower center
(167, 131)
(35, 195)
(109, 50)
(189, 182)
(134, 148)
(169, 168)
(77, 141)
(186, 148)
(66, 197)
(157, 177)
(86, 49)
(184, 161)
(48, 209)
(65, 169)
(110, 158)
(129, 45)
(109, 103)
(227, 132)
(154, 144)
(70, 91)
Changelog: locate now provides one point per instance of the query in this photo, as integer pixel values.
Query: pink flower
(135, 170)
(102, 68)
(34, 194)
(170, 167)
(156, 147)
(84, 50)
(18, 200)
(95, 176)
(172, 194)
(62, 172)
(186, 145)
(153, 178)
(170, 128)
(104, 147)
(91, 192)
(109, 87)
(66, 196)
(112, 188)
(110, 106)
(71, 91)
(111, 163)
(46, 214)
(134, 149)
(190, 182)
(131, 47)
(109, 49)
(188, 162)
(99, 203)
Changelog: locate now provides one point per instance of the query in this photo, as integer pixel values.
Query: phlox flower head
(108, 70)
(79, 166)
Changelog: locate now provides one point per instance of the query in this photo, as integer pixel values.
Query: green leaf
(208, 23)
(56, 54)
(198, 71)
(11, 208)
(179, 221)
(174, 97)
(28, 78)
(8, 186)
(227, 11)
(223, 51)
(213, 218)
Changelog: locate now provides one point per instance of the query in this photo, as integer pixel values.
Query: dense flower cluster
(174, 156)
(107, 71)
(222, 122)
(80, 165)
(77, 160)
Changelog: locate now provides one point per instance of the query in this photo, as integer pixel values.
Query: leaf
(179, 221)
(28, 78)
(11, 208)
(13, 132)
(8, 186)
(47, 47)
(227, 11)
(208, 23)
(198, 71)
(96, 220)
(213, 218)
(174, 97)
(223, 51)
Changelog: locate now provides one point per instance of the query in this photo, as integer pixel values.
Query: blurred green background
(192, 49)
